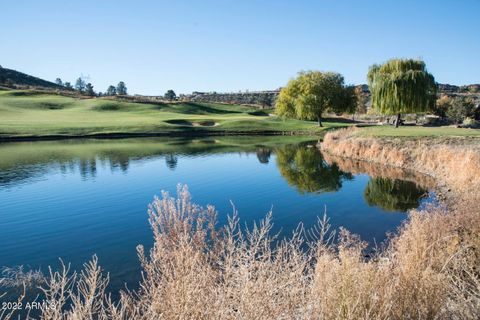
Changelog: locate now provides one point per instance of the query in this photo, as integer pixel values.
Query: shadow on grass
(183, 122)
(258, 113)
(340, 120)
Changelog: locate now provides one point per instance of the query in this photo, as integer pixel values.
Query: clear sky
(226, 45)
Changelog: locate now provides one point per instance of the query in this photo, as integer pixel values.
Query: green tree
(89, 89)
(121, 88)
(442, 104)
(68, 85)
(402, 86)
(170, 95)
(111, 91)
(460, 109)
(393, 194)
(80, 84)
(349, 104)
(306, 169)
(311, 94)
(361, 99)
(59, 81)
(265, 100)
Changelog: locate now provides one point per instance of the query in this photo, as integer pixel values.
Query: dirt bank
(454, 163)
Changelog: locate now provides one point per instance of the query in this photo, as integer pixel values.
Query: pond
(76, 198)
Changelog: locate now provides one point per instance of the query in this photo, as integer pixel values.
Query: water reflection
(87, 168)
(394, 194)
(304, 168)
(263, 155)
(390, 189)
(171, 161)
(26, 161)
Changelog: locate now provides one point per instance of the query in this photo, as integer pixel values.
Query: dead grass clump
(197, 271)
(347, 286)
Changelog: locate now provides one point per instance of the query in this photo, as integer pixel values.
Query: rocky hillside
(264, 99)
(448, 88)
(267, 98)
(13, 78)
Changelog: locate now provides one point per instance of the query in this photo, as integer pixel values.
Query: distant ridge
(11, 78)
(16, 79)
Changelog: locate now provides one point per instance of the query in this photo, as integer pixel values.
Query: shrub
(460, 109)
(470, 123)
(443, 103)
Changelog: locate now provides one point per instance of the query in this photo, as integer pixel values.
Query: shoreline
(126, 135)
(450, 162)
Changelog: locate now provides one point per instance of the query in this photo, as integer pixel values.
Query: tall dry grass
(197, 270)
(453, 162)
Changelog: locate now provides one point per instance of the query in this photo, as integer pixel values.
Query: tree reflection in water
(171, 161)
(394, 194)
(263, 155)
(304, 168)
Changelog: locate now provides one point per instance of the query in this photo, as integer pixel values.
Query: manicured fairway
(24, 113)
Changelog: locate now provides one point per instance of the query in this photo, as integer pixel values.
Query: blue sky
(234, 45)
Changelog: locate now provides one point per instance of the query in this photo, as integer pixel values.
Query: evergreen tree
(89, 89)
(121, 88)
(111, 91)
(80, 84)
(170, 95)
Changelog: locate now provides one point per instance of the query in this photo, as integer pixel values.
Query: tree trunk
(319, 121)
(397, 121)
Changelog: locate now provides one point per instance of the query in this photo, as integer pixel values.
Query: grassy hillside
(13, 77)
(32, 114)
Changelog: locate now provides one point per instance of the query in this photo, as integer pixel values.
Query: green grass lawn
(25, 113)
(418, 131)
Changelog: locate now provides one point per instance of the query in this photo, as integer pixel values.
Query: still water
(74, 199)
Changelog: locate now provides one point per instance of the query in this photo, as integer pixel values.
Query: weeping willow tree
(312, 93)
(401, 86)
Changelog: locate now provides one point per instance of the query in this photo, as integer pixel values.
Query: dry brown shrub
(196, 271)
